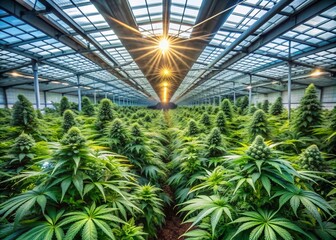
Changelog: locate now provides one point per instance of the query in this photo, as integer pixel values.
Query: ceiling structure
(215, 47)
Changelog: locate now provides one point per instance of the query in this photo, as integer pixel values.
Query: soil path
(173, 227)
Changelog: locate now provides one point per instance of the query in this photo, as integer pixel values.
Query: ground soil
(173, 228)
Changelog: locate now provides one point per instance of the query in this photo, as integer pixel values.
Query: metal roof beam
(310, 10)
(43, 24)
(166, 4)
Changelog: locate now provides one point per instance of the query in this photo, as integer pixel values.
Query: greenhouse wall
(328, 97)
(51, 97)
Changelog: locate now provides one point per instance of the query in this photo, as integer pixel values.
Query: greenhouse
(167, 119)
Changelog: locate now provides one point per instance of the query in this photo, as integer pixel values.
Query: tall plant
(68, 120)
(64, 105)
(23, 113)
(265, 106)
(105, 113)
(221, 122)
(309, 113)
(277, 108)
(205, 119)
(311, 159)
(215, 143)
(226, 107)
(259, 125)
(87, 107)
(192, 128)
(118, 136)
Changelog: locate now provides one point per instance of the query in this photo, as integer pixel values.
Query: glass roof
(311, 44)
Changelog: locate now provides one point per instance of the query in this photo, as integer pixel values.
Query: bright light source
(164, 45)
(317, 72)
(165, 84)
(165, 72)
(249, 87)
(164, 94)
(55, 82)
(275, 82)
(15, 74)
(66, 84)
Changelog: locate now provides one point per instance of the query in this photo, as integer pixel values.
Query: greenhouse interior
(168, 119)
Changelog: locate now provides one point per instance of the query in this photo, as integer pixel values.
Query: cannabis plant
(221, 122)
(277, 108)
(23, 113)
(105, 113)
(22, 151)
(192, 128)
(129, 231)
(259, 125)
(265, 106)
(227, 109)
(118, 136)
(64, 105)
(87, 107)
(309, 113)
(205, 119)
(152, 207)
(215, 144)
(68, 120)
(311, 159)
(252, 109)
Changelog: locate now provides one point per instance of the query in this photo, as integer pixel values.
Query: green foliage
(205, 119)
(118, 136)
(259, 125)
(226, 107)
(23, 113)
(192, 128)
(64, 105)
(68, 120)
(277, 107)
(333, 121)
(214, 142)
(87, 107)
(73, 138)
(105, 113)
(264, 222)
(221, 122)
(130, 231)
(265, 106)
(152, 208)
(311, 159)
(89, 221)
(213, 206)
(309, 112)
(259, 150)
(243, 103)
(252, 109)
(39, 114)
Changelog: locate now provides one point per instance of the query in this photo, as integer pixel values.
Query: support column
(250, 91)
(113, 98)
(5, 97)
(105, 94)
(45, 99)
(95, 97)
(289, 84)
(234, 94)
(36, 84)
(79, 93)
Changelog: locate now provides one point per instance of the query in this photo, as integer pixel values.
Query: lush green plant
(23, 113)
(265, 106)
(205, 119)
(252, 109)
(311, 159)
(87, 107)
(192, 128)
(22, 151)
(221, 122)
(64, 105)
(130, 231)
(68, 120)
(277, 108)
(152, 207)
(309, 112)
(105, 113)
(39, 114)
(215, 143)
(226, 107)
(266, 223)
(243, 103)
(259, 125)
(118, 136)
